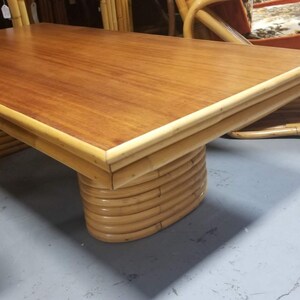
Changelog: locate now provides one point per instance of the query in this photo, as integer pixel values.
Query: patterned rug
(275, 21)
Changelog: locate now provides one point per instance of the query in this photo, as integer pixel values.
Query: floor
(243, 242)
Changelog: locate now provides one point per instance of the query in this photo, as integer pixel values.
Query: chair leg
(283, 122)
(171, 16)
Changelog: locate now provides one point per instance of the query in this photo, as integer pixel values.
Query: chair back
(219, 19)
(207, 13)
(18, 13)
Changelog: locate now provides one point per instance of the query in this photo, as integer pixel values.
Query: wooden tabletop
(106, 88)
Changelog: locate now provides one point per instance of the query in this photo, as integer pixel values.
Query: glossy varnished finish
(106, 88)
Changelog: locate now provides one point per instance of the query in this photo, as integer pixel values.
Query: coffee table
(131, 113)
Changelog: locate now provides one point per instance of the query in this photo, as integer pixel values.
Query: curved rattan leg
(147, 206)
(283, 122)
(271, 132)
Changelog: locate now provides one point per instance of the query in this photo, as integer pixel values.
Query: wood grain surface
(106, 88)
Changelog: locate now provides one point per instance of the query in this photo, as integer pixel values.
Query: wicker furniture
(283, 122)
(240, 21)
(133, 114)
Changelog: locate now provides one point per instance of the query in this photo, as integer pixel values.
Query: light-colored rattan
(18, 13)
(281, 123)
(142, 209)
(116, 15)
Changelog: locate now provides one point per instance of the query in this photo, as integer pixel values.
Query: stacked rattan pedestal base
(9, 145)
(147, 205)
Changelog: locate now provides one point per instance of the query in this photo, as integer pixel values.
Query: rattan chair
(8, 144)
(207, 14)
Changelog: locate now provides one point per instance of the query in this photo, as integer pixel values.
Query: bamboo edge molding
(190, 143)
(180, 135)
(259, 93)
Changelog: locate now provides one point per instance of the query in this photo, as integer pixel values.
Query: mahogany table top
(106, 88)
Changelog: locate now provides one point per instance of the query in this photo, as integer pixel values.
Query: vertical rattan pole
(114, 15)
(23, 12)
(15, 13)
(104, 14)
(120, 17)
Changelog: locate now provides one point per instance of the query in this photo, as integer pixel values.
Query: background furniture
(232, 20)
(150, 16)
(285, 121)
(50, 11)
(78, 13)
(117, 15)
